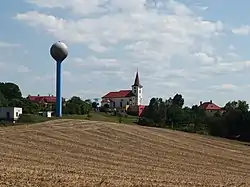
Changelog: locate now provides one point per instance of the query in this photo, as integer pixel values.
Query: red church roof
(119, 94)
(209, 106)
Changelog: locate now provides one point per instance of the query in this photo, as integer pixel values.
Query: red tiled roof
(210, 106)
(120, 94)
(46, 99)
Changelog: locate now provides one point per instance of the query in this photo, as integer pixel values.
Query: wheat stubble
(83, 153)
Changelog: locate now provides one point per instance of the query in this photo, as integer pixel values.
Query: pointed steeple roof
(137, 80)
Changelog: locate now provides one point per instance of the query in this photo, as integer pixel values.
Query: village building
(131, 99)
(10, 113)
(210, 108)
(44, 100)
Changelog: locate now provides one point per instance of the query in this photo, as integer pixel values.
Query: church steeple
(137, 80)
(137, 90)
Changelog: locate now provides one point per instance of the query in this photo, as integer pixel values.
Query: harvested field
(86, 153)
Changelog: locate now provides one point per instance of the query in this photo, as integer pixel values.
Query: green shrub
(88, 116)
(146, 122)
(120, 119)
(31, 118)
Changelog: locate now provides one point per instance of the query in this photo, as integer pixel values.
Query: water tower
(59, 51)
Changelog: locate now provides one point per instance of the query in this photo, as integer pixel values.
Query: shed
(10, 113)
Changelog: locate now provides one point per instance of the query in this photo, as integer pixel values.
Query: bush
(104, 109)
(120, 119)
(146, 122)
(31, 118)
(88, 116)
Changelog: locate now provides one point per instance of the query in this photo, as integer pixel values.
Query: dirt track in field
(86, 153)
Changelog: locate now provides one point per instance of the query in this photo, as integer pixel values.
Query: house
(130, 99)
(44, 100)
(10, 113)
(47, 114)
(210, 108)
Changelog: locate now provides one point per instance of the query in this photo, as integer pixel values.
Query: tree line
(233, 121)
(11, 96)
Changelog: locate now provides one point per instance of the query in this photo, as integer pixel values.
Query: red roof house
(43, 99)
(210, 108)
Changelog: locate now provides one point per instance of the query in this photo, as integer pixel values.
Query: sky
(198, 48)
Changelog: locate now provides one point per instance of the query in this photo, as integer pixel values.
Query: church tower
(137, 90)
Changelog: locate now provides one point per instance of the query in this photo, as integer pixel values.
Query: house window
(139, 90)
(17, 115)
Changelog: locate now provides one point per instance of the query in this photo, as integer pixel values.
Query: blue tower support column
(58, 89)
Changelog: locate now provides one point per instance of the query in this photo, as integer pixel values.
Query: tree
(178, 100)
(240, 104)
(175, 116)
(77, 106)
(10, 91)
(3, 100)
(94, 105)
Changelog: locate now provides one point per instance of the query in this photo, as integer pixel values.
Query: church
(126, 99)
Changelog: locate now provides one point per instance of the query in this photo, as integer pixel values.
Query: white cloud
(2, 66)
(202, 8)
(166, 40)
(225, 87)
(222, 67)
(96, 63)
(23, 69)
(232, 47)
(8, 45)
(204, 58)
(243, 30)
(13, 67)
(66, 75)
(97, 47)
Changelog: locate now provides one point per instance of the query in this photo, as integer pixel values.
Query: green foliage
(3, 100)
(10, 90)
(31, 118)
(233, 122)
(77, 106)
(146, 122)
(89, 116)
(120, 119)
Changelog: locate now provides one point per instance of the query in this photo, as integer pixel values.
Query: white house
(47, 114)
(10, 113)
(123, 98)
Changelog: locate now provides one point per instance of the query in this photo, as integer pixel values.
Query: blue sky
(197, 48)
